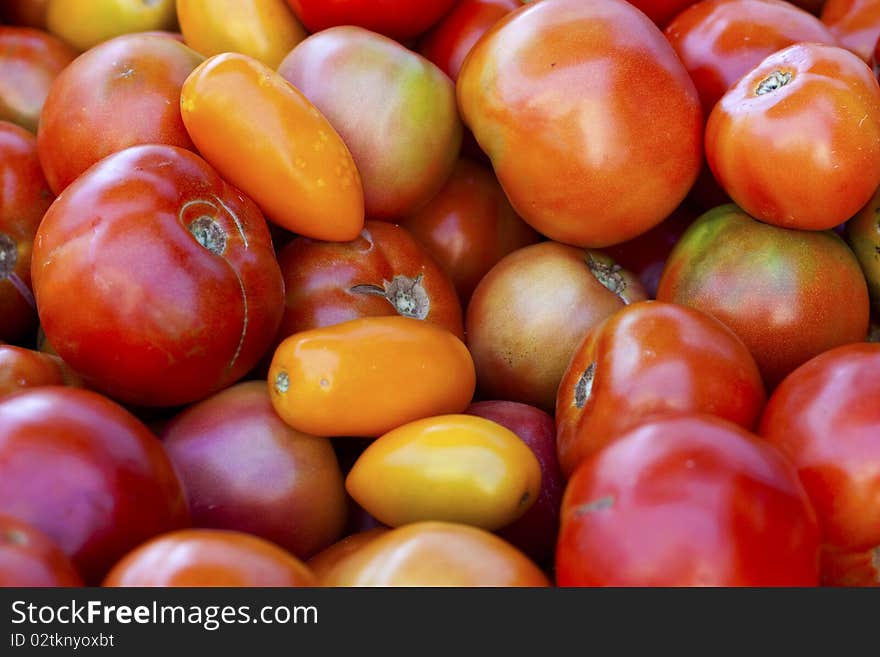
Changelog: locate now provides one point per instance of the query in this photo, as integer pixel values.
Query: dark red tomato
(25, 368)
(155, 279)
(662, 11)
(449, 42)
(87, 473)
(719, 41)
(399, 19)
(687, 501)
(385, 271)
(469, 226)
(123, 92)
(29, 62)
(24, 199)
(29, 558)
(651, 358)
(851, 568)
(854, 23)
(826, 419)
(788, 294)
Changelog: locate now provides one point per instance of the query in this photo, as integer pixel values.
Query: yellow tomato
(86, 23)
(264, 29)
(367, 376)
(457, 468)
(263, 136)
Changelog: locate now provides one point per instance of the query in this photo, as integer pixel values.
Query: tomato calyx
(208, 234)
(584, 386)
(608, 273)
(407, 295)
(776, 80)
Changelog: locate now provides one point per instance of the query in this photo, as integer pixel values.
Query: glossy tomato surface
(155, 279)
(569, 83)
(25, 368)
(687, 501)
(863, 235)
(399, 19)
(86, 23)
(854, 23)
(661, 11)
(29, 558)
(325, 561)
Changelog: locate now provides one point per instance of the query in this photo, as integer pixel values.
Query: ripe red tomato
(651, 358)
(687, 501)
(29, 558)
(25, 368)
(155, 279)
(87, 473)
(854, 23)
(399, 19)
(662, 11)
(828, 98)
(557, 95)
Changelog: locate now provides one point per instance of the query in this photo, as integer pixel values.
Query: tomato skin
(530, 86)
(863, 236)
(325, 561)
(687, 500)
(752, 153)
(121, 93)
(25, 368)
(209, 557)
(789, 295)
(263, 29)
(469, 226)
(647, 359)
(854, 23)
(29, 558)
(450, 40)
(276, 146)
(86, 23)
(384, 271)
(392, 369)
(719, 41)
(436, 554)
(399, 19)
(61, 449)
(825, 418)
(395, 110)
(25, 198)
(157, 319)
(662, 11)
(31, 61)
(851, 568)
(531, 310)
(449, 468)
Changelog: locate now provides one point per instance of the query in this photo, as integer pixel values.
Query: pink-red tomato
(399, 19)
(22, 368)
(29, 558)
(687, 501)
(854, 23)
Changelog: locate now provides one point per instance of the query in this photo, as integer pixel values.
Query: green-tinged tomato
(863, 235)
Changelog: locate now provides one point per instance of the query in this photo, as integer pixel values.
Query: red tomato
(24, 199)
(24, 368)
(687, 501)
(719, 41)
(831, 169)
(399, 19)
(855, 24)
(87, 473)
(382, 272)
(557, 94)
(662, 11)
(29, 558)
(120, 93)
(155, 279)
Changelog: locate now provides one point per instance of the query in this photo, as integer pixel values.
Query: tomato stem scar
(209, 234)
(774, 81)
(607, 272)
(407, 295)
(282, 382)
(584, 386)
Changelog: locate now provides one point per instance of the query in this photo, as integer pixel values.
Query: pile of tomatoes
(438, 292)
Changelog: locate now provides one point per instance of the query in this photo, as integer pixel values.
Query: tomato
(395, 110)
(782, 155)
(275, 146)
(29, 558)
(469, 226)
(31, 13)
(531, 310)
(399, 19)
(863, 235)
(662, 11)
(450, 40)
(24, 200)
(647, 359)
(393, 370)
(789, 295)
(851, 568)
(263, 29)
(382, 272)
(209, 557)
(121, 93)
(436, 554)
(25, 368)
(569, 84)
(244, 469)
(31, 60)
(687, 501)
(453, 468)
(87, 473)
(86, 23)
(719, 41)
(327, 559)
(155, 279)
(854, 23)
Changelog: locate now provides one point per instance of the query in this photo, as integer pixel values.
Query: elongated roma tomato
(267, 139)
(370, 375)
(453, 468)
